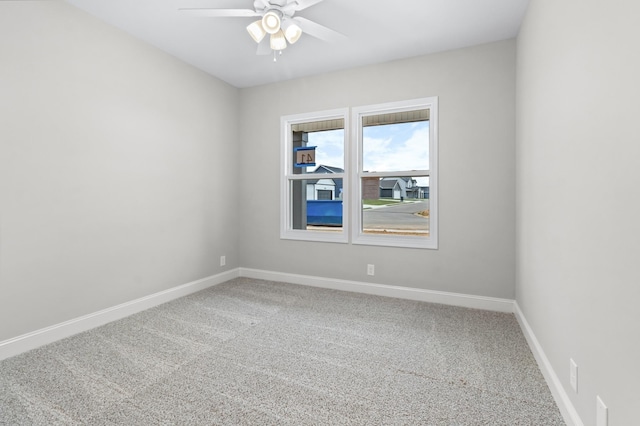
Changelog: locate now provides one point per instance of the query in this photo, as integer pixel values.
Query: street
(400, 217)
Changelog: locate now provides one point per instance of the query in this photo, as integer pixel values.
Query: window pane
(395, 206)
(316, 204)
(328, 138)
(398, 146)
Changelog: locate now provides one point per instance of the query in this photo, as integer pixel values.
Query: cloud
(395, 147)
(401, 147)
(330, 151)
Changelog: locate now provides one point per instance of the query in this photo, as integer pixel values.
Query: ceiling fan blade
(300, 5)
(221, 13)
(319, 31)
(265, 4)
(264, 48)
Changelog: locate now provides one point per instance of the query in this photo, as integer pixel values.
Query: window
(395, 163)
(387, 180)
(313, 185)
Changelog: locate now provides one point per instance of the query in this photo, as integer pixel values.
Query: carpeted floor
(251, 352)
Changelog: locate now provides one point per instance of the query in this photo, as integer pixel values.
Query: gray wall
(578, 203)
(476, 90)
(117, 167)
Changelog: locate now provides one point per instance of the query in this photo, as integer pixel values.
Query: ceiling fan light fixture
(271, 22)
(256, 31)
(278, 41)
(292, 31)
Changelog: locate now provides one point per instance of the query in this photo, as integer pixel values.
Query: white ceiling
(376, 30)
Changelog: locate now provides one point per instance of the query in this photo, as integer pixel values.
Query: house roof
(315, 181)
(388, 183)
(328, 169)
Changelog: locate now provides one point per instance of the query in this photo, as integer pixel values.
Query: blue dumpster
(324, 212)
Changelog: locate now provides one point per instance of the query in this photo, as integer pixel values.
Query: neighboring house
(390, 188)
(321, 189)
(325, 189)
(412, 190)
(328, 169)
(400, 188)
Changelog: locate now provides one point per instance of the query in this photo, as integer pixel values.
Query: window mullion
(396, 173)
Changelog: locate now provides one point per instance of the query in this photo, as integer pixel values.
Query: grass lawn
(380, 202)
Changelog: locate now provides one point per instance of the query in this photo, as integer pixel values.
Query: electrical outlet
(573, 375)
(371, 269)
(223, 260)
(601, 413)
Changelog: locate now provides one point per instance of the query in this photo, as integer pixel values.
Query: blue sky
(330, 148)
(403, 146)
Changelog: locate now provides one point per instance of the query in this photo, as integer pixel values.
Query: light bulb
(271, 22)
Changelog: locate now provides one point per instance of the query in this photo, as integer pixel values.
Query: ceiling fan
(277, 21)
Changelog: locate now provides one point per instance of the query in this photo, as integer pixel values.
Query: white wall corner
(409, 293)
(35, 339)
(561, 397)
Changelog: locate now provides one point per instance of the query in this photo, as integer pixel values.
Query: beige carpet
(251, 352)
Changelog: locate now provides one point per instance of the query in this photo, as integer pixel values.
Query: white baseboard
(445, 298)
(567, 409)
(26, 342)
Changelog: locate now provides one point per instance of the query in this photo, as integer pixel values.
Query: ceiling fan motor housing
(270, 4)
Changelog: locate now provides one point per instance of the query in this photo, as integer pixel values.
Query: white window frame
(287, 176)
(356, 174)
(351, 178)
